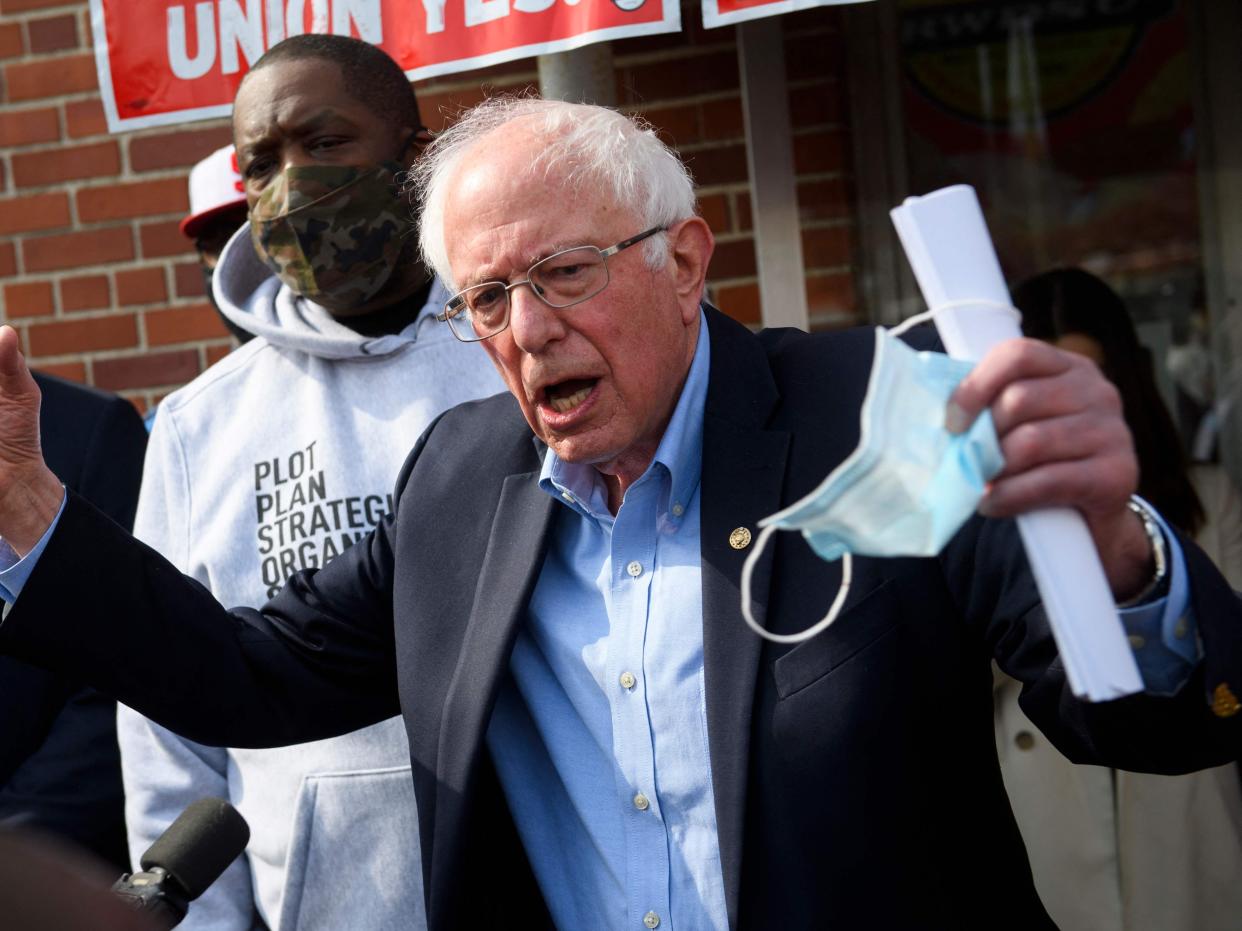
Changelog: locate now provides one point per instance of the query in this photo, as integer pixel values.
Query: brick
(735, 259)
(74, 250)
(8, 259)
(188, 280)
(813, 56)
(53, 34)
(745, 220)
(815, 105)
(827, 247)
(147, 370)
(823, 200)
(85, 118)
(11, 40)
(34, 212)
(439, 111)
(723, 119)
(87, 292)
(137, 199)
(26, 127)
(163, 239)
(719, 165)
(740, 301)
(830, 293)
(176, 149)
(689, 77)
(50, 77)
(140, 286)
(74, 371)
(215, 353)
(69, 337)
(22, 6)
(29, 299)
(676, 126)
(819, 152)
(714, 208)
(53, 166)
(183, 325)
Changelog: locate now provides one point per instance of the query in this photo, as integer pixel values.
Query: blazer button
(739, 539)
(1224, 703)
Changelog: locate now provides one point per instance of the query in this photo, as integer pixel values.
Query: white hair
(590, 147)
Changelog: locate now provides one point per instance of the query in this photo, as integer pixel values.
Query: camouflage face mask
(331, 233)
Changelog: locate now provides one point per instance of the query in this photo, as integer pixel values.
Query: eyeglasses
(563, 279)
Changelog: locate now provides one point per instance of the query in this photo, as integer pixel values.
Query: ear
(692, 246)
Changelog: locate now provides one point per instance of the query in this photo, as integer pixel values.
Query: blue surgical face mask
(908, 486)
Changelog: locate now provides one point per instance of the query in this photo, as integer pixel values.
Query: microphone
(185, 860)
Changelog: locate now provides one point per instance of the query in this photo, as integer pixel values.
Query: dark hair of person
(369, 75)
(1071, 301)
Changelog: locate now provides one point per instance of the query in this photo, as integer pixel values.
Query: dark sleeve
(1140, 732)
(316, 661)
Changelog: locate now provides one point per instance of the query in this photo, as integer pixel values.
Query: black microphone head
(199, 845)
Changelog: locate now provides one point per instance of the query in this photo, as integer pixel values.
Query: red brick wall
(104, 289)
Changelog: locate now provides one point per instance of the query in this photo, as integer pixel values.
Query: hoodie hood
(250, 296)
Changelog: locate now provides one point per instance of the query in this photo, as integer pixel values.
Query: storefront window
(1082, 126)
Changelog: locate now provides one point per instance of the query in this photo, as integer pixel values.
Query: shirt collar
(679, 455)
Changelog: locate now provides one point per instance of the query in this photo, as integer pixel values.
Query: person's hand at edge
(30, 494)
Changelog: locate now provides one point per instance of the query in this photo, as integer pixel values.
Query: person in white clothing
(283, 454)
(1113, 850)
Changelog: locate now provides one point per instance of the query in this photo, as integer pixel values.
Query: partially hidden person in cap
(284, 453)
(1113, 850)
(217, 210)
(60, 771)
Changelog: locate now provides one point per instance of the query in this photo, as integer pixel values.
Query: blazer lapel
(743, 477)
(514, 553)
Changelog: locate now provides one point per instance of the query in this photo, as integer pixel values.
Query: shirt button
(1025, 740)
(678, 510)
(651, 920)
(635, 569)
(642, 804)
(627, 680)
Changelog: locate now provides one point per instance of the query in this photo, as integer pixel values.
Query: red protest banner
(172, 61)
(728, 12)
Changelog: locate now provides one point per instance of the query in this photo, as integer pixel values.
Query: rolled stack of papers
(954, 262)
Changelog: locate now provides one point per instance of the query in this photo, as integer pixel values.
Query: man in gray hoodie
(284, 453)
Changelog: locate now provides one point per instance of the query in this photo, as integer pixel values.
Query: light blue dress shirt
(599, 734)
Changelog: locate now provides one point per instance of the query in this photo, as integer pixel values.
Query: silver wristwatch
(1159, 551)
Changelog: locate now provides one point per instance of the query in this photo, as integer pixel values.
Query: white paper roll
(947, 242)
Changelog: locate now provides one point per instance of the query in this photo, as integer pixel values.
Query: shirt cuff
(1163, 633)
(14, 571)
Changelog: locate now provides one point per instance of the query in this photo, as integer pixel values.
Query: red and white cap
(215, 185)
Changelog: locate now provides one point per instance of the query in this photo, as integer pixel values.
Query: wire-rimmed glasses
(559, 280)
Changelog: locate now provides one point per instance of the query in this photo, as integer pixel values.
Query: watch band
(1159, 551)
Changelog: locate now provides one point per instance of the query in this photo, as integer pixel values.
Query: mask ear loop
(930, 313)
(748, 569)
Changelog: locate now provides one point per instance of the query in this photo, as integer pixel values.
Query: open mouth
(566, 395)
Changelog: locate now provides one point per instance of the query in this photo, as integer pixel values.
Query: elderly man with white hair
(597, 740)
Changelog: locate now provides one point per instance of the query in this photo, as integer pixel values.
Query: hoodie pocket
(354, 859)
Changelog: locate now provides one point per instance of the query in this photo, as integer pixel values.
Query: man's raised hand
(30, 495)
(1065, 443)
